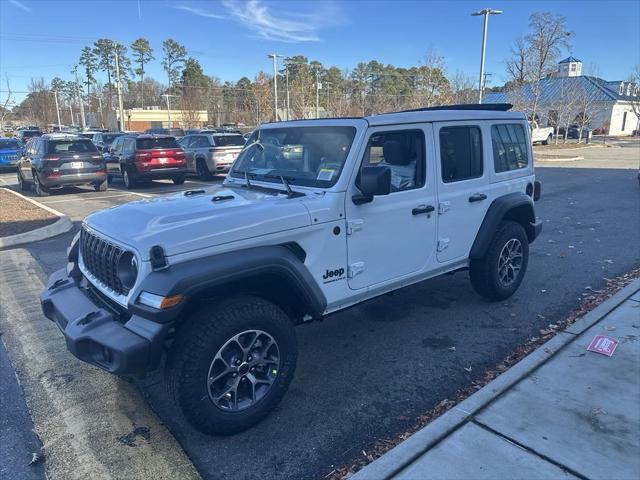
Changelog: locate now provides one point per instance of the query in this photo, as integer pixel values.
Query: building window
(460, 153)
(510, 150)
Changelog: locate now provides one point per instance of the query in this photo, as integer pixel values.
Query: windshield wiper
(285, 181)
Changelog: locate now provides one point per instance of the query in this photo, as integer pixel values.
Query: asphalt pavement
(368, 372)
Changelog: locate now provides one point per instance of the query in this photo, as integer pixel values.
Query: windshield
(9, 143)
(156, 143)
(307, 156)
(178, 132)
(228, 140)
(71, 146)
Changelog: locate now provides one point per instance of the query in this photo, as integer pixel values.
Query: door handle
(477, 197)
(423, 209)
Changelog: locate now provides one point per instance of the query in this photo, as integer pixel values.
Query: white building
(569, 94)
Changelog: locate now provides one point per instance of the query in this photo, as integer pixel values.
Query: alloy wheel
(510, 262)
(243, 370)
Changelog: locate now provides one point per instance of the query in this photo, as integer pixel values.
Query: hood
(182, 223)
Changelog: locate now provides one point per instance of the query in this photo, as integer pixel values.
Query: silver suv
(210, 153)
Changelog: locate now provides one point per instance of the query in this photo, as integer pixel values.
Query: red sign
(603, 344)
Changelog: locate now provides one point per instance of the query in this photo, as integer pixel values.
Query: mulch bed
(590, 300)
(19, 216)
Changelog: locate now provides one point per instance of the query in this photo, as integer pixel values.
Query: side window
(40, 145)
(115, 146)
(200, 142)
(129, 145)
(510, 150)
(460, 153)
(403, 152)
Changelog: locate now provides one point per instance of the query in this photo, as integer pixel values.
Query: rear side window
(71, 146)
(460, 153)
(228, 140)
(510, 150)
(156, 143)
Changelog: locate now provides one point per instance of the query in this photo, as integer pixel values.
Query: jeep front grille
(101, 260)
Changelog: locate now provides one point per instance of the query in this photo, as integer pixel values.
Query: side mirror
(374, 181)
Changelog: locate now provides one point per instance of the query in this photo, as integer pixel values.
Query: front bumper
(94, 334)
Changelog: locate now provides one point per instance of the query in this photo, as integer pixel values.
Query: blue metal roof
(570, 60)
(555, 89)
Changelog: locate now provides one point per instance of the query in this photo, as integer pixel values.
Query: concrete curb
(563, 159)
(62, 225)
(409, 450)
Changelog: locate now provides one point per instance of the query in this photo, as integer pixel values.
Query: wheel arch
(517, 207)
(276, 273)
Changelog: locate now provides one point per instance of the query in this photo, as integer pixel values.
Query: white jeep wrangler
(315, 216)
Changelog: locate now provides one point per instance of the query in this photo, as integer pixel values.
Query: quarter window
(510, 150)
(460, 153)
(404, 154)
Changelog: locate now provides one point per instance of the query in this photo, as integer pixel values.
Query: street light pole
(317, 94)
(485, 12)
(286, 70)
(82, 119)
(274, 57)
(166, 95)
(55, 96)
(120, 107)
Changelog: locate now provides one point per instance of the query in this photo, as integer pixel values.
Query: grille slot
(101, 260)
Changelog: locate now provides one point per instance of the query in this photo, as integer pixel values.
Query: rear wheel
(41, 191)
(231, 365)
(178, 180)
(499, 273)
(548, 140)
(128, 181)
(102, 186)
(202, 170)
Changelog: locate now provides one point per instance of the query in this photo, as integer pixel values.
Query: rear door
(112, 156)
(464, 192)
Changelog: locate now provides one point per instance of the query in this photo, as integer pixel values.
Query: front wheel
(21, 182)
(202, 170)
(178, 180)
(102, 186)
(498, 274)
(128, 181)
(548, 140)
(231, 365)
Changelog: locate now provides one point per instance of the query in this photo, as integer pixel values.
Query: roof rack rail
(495, 107)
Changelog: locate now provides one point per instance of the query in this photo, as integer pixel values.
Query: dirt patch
(18, 215)
(590, 300)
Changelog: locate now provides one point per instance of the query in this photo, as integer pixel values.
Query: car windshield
(307, 156)
(108, 138)
(177, 132)
(156, 143)
(9, 143)
(71, 146)
(228, 140)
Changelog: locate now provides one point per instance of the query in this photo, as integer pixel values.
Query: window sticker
(326, 174)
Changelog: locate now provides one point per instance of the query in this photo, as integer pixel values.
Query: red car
(146, 157)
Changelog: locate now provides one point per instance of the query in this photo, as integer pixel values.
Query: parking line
(88, 198)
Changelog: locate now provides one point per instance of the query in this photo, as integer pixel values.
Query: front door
(394, 235)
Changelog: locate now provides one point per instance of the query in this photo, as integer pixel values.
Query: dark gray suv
(58, 160)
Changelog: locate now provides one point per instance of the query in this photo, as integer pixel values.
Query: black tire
(548, 140)
(21, 182)
(202, 170)
(197, 343)
(178, 180)
(102, 186)
(485, 272)
(40, 190)
(127, 178)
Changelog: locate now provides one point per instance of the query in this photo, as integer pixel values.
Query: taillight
(142, 156)
(50, 158)
(178, 154)
(53, 174)
(95, 157)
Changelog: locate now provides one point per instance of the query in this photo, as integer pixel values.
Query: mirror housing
(374, 181)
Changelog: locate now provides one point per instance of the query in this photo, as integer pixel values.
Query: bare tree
(517, 66)
(262, 98)
(634, 78)
(562, 109)
(586, 106)
(4, 110)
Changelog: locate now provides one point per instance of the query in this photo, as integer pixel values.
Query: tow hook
(57, 283)
(88, 318)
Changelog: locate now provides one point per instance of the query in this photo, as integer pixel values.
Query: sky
(231, 38)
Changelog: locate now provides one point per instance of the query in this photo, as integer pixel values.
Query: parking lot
(367, 373)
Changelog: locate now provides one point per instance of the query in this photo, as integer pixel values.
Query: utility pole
(166, 95)
(55, 96)
(318, 87)
(101, 112)
(286, 72)
(73, 124)
(82, 119)
(274, 57)
(486, 12)
(118, 83)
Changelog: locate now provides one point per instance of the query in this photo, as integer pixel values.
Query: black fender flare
(205, 273)
(518, 203)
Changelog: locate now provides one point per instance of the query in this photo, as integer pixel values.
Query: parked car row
(57, 160)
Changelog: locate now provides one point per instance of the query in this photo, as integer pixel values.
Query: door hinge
(355, 269)
(443, 244)
(443, 207)
(354, 225)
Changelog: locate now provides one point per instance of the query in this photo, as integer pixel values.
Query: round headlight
(128, 269)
